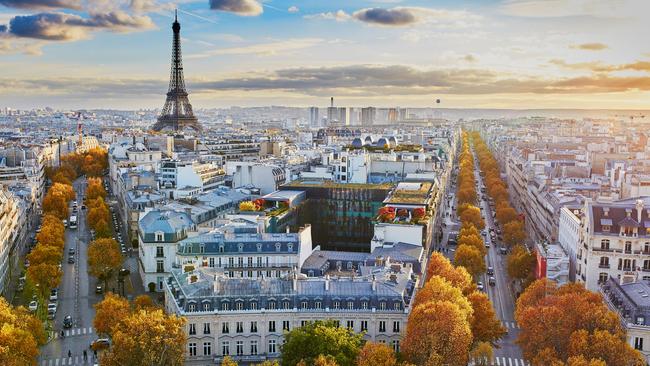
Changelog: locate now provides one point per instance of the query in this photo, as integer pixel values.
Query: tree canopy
(321, 338)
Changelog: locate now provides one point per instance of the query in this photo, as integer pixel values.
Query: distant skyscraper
(368, 116)
(392, 115)
(177, 112)
(403, 114)
(332, 113)
(313, 117)
(343, 116)
(353, 117)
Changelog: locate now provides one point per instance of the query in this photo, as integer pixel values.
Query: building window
(646, 265)
(239, 305)
(253, 305)
(285, 305)
(272, 326)
(206, 328)
(364, 305)
(304, 305)
(382, 305)
(277, 247)
(382, 326)
(192, 307)
(253, 348)
(240, 262)
(192, 329)
(259, 247)
(364, 325)
(604, 262)
(337, 323)
(192, 347)
(259, 262)
(160, 252)
(253, 327)
(220, 248)
(395, 327)
(160, 237)
(604, 244)
(211, 261)
(628, 247)
(240, 247)
(638, 343)
(285, 325)
(317, 305)
(240, 327)
(602, 277)
(225, 306)
(337, 305)
(272, 305)
(160, 266)
(350, 324)
(240, 348)
(225, 328)
(225, 348)
(395, 345)
(397, 306)
(207, 348)
(206, 306)
(350, 305)
(272, 346)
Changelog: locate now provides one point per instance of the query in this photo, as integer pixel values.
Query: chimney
(639, 210)
(294, 278)
(374, 283)
(332, 102)
(327, 282)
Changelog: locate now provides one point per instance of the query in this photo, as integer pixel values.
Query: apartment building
(9, 235)
(246, 318)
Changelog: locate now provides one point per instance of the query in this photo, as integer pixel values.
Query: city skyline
(511, 54)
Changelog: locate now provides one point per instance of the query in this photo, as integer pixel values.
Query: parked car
(479, 286)
(33, 306)
(51, 308)
(483, 233)
(503, 250)
(71, 251)
(100, 343)
(54, 295)
(492, 281)
(67, 322)
(490, 270)
(71, 259)
(99, 289)
(83, 207)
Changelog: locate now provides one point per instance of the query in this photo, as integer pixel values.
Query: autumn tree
(45, 277)
(439, 289)
(228, 361)
(472, 215)
(474, 241)
(95, 189)
(470, 258)
(439, 265)
(520, 263)
(321, 338)
(505, 214)
(482, 354)
(104, 259)
(143, 302)
(486, 327)
(47, 254)
(147, 338)
(51, 235)
(110, 312)
(55, 204)
(21, 334)
(603, 345)
(449, 344)
(513, 233)
(376, 354)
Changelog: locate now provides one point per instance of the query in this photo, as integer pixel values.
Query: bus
(72, 224)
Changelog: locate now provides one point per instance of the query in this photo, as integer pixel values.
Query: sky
(519, 54)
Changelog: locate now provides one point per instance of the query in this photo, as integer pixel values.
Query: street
(77, 296)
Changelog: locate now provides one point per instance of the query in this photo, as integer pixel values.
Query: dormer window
(240, 247)
(259, 247)
(606, 228)
(277, 247)
(221, 248)
(290, 247)
(160, 236)
(202, 249)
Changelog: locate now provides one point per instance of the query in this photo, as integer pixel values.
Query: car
(33, 305)
(487, 244)
(83, 207)
(67, 322)
(490, 270)
(99, 289)
(483, 233)
(74, 203)
(74, 210)
(71, 251)
(71, 259)
(65, 223)
(51, 308)
(480, 286)
(20, 287)
(492, 281)
(54, 295)
(26, 263)
(100, 343)
(503, 250)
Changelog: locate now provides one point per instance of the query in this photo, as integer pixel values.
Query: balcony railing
(603, 265)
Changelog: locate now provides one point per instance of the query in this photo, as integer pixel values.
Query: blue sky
(491, 53)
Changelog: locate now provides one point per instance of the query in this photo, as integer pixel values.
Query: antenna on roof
(176, 15)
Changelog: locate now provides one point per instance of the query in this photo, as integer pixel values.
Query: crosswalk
(509, 361)
(75, 332)
(63, 361)
(511, 325)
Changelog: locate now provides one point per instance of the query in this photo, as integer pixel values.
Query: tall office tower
(313, 117)
(343, 116)
(392, 115)
(353, 116)
(403, 114)
(332, 113)
(368, 116)
(177, 112)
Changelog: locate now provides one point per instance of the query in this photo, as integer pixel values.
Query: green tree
(321, 338)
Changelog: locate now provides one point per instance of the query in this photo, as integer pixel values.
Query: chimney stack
(374, 283)
(332, 102)
(327, 282)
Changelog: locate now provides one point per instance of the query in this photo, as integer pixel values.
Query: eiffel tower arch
(177, 112)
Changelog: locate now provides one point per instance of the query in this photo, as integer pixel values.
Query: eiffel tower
(177, 112)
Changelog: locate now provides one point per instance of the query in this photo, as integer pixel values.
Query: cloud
(42, 4)
(293, 9)
(470, 58)
(589, 46)
(395, 17)
(339, 16)
(599, 67)
(71, 27)
(239, 7)
(262, 49)
(575, 8)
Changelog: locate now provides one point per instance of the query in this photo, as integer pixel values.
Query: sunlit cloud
(262, 49)
(239, 7)
(42, 4)
(589, 46)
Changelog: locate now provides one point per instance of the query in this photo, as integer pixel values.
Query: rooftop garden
(413, 196)
(391, 215)
(269, 208)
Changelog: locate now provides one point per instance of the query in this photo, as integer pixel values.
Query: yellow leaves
(46, 276)
(514, 233)
(20, 336)
(147, 337)
(109, 312)
(247, 206)
(104, 258)
(95, 189)
(470, 258)
(486, 327)
(376, 354)
(520, 263)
